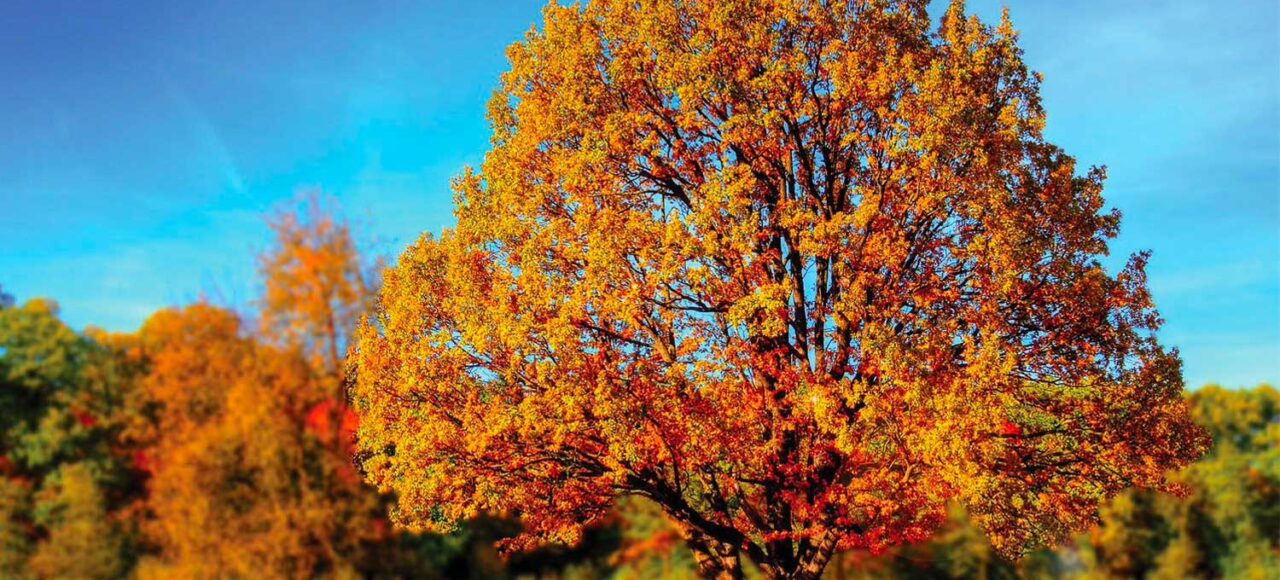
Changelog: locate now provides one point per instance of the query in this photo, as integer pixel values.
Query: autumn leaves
(801, 273)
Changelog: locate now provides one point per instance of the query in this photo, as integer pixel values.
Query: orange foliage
(224, 458)
(249, 451)
(801, 273)
(316, 285)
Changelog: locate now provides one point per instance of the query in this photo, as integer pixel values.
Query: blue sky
(141, 142)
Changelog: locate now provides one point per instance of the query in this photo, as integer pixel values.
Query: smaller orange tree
(315, 282)
(248, 454)
(801, 273)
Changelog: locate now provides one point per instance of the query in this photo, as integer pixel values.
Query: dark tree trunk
(716, 560)
(721, 561)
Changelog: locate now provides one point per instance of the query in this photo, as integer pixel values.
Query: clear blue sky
(140, 142)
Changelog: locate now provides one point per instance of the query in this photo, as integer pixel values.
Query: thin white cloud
(207, 135)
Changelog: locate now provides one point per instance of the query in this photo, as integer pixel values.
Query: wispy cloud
(206, 135)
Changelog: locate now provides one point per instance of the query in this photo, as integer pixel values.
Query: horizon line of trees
(214, 443)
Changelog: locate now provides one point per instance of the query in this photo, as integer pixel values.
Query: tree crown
(800, 272)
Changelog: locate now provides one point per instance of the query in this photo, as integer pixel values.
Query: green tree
(40, 363)
(65, 402)
(1233, 512)
(82, 542)
(1227, 524)
(1129, 538)
(15, 538)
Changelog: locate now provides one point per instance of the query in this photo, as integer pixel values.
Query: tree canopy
(801, 273)
(207, 446)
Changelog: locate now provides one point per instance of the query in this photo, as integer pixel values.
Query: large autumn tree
(800, 272)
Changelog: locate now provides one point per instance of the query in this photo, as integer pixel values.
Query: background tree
(67, 484)
(82, 541)
(1225, 527)
(800, 273)
(1229, 525)
(40, 365)
(238, 486)
(651, 546)
(316, 285)
(265, 444)
(15, 527)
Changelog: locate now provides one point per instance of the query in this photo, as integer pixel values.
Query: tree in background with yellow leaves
(251, 465)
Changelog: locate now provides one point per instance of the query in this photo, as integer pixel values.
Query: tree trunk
(811, 566)
(716, 560)
(808, 567)
(721, 561)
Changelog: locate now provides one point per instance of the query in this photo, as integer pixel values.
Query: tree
(218, 501)
(799, 272)
(316, 287)
(238, 487)
(316, 284)
(40, 363)
(651, 546)
(15, 537)
(82, 542)
(251, 455)
(64, 403)
(1128, 539)
(1229, 525)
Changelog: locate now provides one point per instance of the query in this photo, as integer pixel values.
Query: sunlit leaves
(801, 273)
